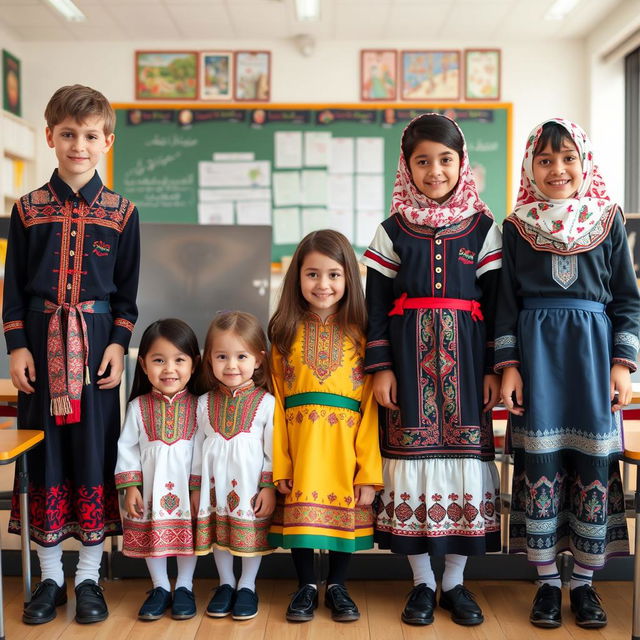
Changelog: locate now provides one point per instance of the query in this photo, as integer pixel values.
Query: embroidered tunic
(564, 319)
(154, 453)
(441, 488)
(67, 248)
(325, 440)
(232, 461)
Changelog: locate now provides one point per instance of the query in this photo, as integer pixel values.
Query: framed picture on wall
(11, 84)
(216, 75)
(430, 75)
(166, 75)
(482, 74)
(378, 74)
(253, 76)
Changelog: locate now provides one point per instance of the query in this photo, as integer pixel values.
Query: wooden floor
(505, 605)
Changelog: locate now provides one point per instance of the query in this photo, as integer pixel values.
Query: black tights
(303, 562)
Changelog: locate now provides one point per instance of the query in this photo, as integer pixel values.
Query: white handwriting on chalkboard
(171, 141)
(147, 165)
(481, 145)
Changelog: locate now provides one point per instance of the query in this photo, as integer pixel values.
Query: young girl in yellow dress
(326, 457)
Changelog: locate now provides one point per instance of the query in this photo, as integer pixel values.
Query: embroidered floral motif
(322, 347)
(170, 501)
(466, 256)
(288, 372)
(168, 421)
(626, 338)
(230, 415)
(101, 248)
(505, 342)
(233, 499)
(564, 269)
(357, 374)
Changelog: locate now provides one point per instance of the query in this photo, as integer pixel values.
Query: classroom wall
(330, 75)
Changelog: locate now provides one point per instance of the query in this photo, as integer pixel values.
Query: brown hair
(352, 314)
(247, 327)
(79, 102)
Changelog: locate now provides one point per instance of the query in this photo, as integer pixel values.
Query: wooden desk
(13, 445)
(9, 394)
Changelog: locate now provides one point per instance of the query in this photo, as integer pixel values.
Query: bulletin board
(295, 167)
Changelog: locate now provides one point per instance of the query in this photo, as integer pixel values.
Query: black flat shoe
(585, 604)
(221, 603)
(420, 605)
(303, 603)
(157, 602)
(46, 596)
(184, 604)
(343, 608)
(90, 604)
(246, 605)
(546, 610)
(464, 609)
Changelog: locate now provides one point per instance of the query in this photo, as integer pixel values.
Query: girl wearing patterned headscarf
(431, 292)
(567, 339)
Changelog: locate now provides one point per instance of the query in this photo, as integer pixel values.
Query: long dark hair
(182, 337)
(352, 314)
(247, 327)
(434, 127)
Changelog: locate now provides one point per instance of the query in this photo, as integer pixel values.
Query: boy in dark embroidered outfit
(71, 278)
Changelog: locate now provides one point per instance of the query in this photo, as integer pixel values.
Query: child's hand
(491, 391)
(512, 383)
(620, 382)
(133, 502)
(265, 502)
(195, 502)
(284, 486)
(22, 369)
(364, 494)
(385, 388)
(114, 356)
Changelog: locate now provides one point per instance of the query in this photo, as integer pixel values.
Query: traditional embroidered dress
(75, 258)
(325, 440)
(231, 463)
(431, 287)
(568, 310)
(154, 453)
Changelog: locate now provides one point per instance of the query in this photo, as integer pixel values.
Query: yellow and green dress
(325, 439)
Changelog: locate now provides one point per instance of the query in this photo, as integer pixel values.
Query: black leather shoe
(585, 604)
(184, 604)
(221, 602)
(246, 605)
(45, 598)
(546, 610)
(343, 608)
(157, 602)
(464, 609)
(420, 605)
(90, 604)
(304, 601)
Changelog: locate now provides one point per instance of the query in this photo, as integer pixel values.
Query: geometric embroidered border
(233, 534)
(626, 338)
(157, 538)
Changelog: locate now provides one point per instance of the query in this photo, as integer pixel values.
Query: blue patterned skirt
(567, 493)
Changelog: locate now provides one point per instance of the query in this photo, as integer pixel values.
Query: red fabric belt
(404, 302)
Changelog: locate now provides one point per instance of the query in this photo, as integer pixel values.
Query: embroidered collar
(158, 395)
(570, 222)
(238, 391)
(417, 208)
(314, 317)
(64, 192)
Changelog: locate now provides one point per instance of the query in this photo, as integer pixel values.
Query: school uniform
(71, 278)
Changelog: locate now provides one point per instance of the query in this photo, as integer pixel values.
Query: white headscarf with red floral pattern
(567, 220)
(417, 208)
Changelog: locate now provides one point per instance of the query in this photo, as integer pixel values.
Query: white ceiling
(370, 20)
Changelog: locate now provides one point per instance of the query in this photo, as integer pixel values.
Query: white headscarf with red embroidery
(567, 220)
(417, 208)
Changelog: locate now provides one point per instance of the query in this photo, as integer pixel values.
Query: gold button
(438, 256)
(73, 233)
(72, 253)
(438, 269)
(438, 241)
(438, 285)
(69, 286)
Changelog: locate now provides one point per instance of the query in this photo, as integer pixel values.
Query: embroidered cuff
(499, 366)
(630, 364)
(266, 480)
(121, 333)
(128, 479)
(505, 342)
(195, 483)
(378, 356)
(14, 335)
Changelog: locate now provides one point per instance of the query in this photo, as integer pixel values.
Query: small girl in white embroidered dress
(232, 459)
(154, 462)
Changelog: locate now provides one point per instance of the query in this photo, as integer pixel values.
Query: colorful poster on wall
(216, 75)
(430, 75)
(166, 75)
(11, 87)
(378, 74)
(253, 75)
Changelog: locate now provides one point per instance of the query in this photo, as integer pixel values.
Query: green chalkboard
(174, 161)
